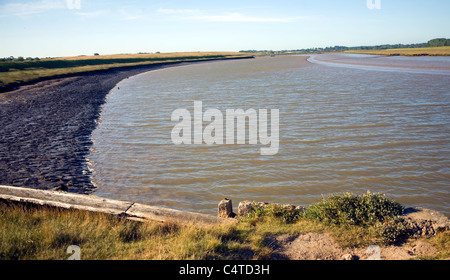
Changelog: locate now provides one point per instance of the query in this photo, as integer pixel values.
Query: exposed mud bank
(45, 129)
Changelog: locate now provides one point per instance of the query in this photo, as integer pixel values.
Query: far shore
(378, 64)
(18, 73)
(430, 51)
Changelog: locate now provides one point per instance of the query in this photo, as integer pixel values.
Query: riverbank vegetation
(435, 47)
(36, 232)
(431, 51)
(18, 71)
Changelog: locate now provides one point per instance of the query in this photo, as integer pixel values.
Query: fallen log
(94, 203)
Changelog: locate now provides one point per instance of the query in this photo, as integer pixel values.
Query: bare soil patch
(321, 246)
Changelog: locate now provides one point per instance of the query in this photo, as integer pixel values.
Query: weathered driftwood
(97, 204)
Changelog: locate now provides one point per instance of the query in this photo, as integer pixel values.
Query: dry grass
(43, 233)
(436, 51)
(442, 243)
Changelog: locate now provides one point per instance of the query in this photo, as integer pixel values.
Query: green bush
(394, 231)
(352, 209)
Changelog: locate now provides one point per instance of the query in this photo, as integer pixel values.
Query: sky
(52, 28)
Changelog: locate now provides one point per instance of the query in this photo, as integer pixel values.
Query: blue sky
(82, 27)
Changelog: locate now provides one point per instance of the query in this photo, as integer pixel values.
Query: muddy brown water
(380, 125)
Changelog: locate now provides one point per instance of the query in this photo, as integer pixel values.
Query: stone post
(225, 209)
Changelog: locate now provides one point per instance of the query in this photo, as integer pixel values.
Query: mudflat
(45, 129)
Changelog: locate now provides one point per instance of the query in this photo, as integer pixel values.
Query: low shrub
(394, 231)
(352, 209)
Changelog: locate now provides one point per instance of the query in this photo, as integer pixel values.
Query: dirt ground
(321, 246)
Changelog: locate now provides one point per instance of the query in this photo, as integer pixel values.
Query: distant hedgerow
(353, 209)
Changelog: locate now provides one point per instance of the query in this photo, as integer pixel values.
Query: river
(347, 123)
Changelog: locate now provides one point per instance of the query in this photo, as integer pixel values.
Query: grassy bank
(30, 232)
(435, 51)
(20, 72)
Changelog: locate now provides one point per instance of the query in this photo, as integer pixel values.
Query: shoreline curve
(46, 127)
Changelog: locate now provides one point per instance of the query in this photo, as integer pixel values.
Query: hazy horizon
(50, 28)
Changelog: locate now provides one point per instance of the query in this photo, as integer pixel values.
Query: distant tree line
(440, 42)
(20, 58)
